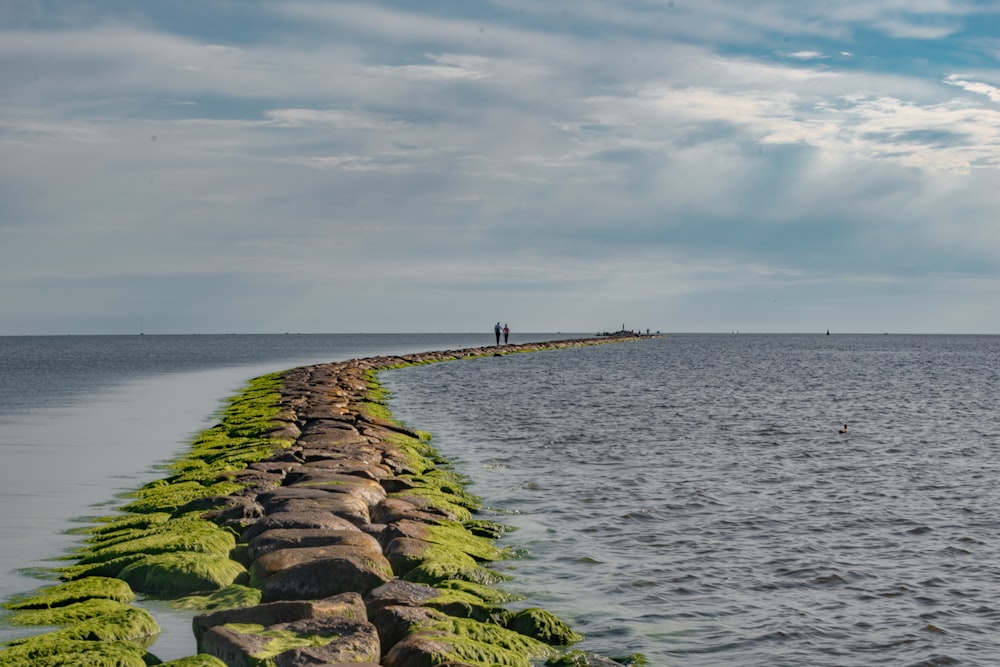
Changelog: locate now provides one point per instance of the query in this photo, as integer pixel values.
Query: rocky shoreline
(309, 528)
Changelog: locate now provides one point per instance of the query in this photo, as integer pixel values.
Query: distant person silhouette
(506, 333)
(496, 330)
(843, 430)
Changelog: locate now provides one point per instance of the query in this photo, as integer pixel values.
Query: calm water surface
(690, 498)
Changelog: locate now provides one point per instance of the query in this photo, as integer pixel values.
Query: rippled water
(690, 498)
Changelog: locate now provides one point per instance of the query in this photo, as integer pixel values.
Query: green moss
(230, 597)
(171, 497)
(107, 569)
(585, 659)
(454, 536)
(200, 660)
(488, 529)
(486, 593)
(75, 591)
(432, 572)
(66, 615)
(181, 573)
(279, 641)
(129, 624)
(185, 534)
(543, 626)
(74, 653)
(485, 644)
(121, 522)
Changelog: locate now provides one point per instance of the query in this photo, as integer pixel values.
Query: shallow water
(690, 498)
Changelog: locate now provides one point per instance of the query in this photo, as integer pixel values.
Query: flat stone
(297, 538)
(367, 490)
(392, 510)
(324, 572)
(319, 520)
(349, 508)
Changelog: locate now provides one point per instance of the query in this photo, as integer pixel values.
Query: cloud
(603, 156)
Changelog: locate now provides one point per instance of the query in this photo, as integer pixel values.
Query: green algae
(543, 626)
(128, 624)
(279, 641)
(587, 659)
(184, 534)
(67, 614)
(75, 653)
(484, 644)
(235, 596)
(432, 572)
(181, 573)
(200, 660)
(76, 591)
(162, 496)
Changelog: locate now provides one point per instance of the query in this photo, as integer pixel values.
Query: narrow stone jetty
(309, 528)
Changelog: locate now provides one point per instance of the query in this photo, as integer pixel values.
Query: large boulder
(319, 572)
(297, 520)
(297, 538)
(347, 605)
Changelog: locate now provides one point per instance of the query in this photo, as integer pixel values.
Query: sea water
(688, 498)
(691, 498)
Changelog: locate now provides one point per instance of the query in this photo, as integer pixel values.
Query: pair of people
(505, 331)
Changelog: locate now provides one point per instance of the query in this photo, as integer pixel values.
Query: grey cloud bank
(301, 166)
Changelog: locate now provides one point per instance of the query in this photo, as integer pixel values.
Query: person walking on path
(506, 333)
(496, 330)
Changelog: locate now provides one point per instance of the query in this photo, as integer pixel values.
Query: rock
(282, 520)
(394, 623)
(367, 490)
(405, 554)
(418, 650)
(346, 605)
(310, 642)
(295, 538)
(391, 510)
(319, 572)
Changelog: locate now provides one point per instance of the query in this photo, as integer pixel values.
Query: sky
(252, 166)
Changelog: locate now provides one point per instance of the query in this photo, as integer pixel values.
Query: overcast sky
(569, 165)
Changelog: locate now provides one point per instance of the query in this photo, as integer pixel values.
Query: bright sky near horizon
(567, 165)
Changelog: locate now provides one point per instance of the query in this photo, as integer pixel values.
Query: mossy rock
(230, 597)
(485, 644)
(200, 660)
(276, 641)
(171, 497)
(464, 604)
(454, 536)
(454, 568)
(74, 591)
(121, 522)
(74, 653)
(107, 569)
(67, 614)
(586, 659)
(543, 626)
(129, 624)
(193, 535)
(487, 593)
(181, 573)
(488, 529)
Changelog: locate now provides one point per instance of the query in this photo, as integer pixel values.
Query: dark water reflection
(690, 498)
